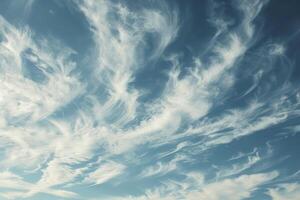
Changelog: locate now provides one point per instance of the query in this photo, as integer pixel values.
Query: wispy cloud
(285, 191)
(105, 172)
(194, 188)
(72, 120)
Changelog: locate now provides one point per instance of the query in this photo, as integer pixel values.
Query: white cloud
(22, 97)
(116, 122)
(233, 189)
(105, 172)
(118, 48)
(194, 188)
(20, 187)
(240, 167)
(289, 191)
(162, 168)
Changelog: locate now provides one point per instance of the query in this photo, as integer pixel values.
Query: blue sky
(149, 100)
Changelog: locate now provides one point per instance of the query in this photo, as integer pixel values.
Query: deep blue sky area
(149, 100)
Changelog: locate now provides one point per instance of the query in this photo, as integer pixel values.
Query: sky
(149, 100)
